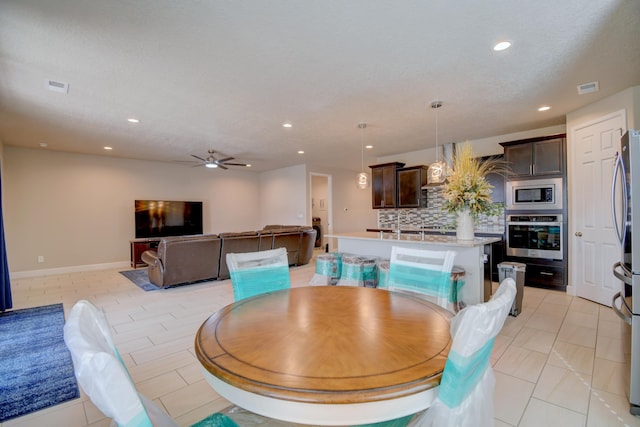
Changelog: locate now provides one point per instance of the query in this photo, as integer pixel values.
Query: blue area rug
(140, 278)
(36, 370)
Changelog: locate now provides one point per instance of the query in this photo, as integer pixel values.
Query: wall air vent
(588, 88)
(55, 86)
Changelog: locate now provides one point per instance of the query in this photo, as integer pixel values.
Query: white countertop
(431, 239)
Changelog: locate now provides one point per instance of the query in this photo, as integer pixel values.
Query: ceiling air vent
(55, 86)
(588, 88)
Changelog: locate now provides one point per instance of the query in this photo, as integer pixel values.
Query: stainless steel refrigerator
(625, 201)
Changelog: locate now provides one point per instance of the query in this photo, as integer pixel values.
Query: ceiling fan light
(211, 165)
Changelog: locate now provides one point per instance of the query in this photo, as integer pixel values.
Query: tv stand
(138, 246)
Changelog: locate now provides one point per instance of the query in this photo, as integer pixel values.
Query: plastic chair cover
(328, 269)
(101, 372)
(216, 420)
(466, 391)
(398, 422)
(358, 271)
(423, 271)
(254, 273)
(383, 273)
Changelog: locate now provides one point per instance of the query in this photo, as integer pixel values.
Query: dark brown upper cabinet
(384, 192)
(544, 156)
(410, 183)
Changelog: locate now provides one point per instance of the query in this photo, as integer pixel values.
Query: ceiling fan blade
(220, 165)
(225, 159)
(199, 158)
(236, 164)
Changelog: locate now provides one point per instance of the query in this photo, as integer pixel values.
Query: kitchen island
(470, 255)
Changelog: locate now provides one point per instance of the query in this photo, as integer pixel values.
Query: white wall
(626, 100)
(283, 196)
(77, 210)
(351, 207)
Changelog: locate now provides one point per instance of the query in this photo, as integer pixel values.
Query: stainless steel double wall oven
(535, 230)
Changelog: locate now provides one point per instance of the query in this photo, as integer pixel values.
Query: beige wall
(628, 100)
(283, 196)
(77, 210)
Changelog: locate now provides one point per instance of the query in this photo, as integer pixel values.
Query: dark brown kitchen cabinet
(410, 183)
(384, 185)
(542, 156)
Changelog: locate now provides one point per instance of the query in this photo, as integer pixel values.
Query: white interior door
(593, 245)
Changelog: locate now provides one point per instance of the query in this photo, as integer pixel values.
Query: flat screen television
(161, 218)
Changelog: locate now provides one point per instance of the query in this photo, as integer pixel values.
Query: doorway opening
(321, 206)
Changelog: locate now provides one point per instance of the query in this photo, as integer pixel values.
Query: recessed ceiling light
(287, 125)
(368, 147)
(108, 148)
(132, 120)
(502, 46)
(43, 144)
(300, 151)
(544, 108)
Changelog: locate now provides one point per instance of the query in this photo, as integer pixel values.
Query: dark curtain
(5, 283)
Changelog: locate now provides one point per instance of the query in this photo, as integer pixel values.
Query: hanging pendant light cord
(436, 105)
(362, 126)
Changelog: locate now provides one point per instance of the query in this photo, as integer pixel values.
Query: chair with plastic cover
(465, 397)
(254, 273)
(423, 271)
(104, 377)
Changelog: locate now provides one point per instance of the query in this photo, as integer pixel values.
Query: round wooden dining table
(327, 355)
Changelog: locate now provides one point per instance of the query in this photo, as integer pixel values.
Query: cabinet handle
(532, 169)
(578, 233)
(546, 273)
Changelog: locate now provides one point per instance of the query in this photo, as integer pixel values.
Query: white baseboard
(71, 269)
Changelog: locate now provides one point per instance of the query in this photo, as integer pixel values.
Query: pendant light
(363, 179)
(437, 172)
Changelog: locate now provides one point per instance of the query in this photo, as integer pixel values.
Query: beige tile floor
(557, 364)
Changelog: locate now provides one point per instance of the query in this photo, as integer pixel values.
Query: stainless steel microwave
(535, 194)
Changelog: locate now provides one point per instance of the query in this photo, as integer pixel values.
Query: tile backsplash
(434, 216)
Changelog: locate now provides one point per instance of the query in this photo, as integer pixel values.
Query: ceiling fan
(211, 161)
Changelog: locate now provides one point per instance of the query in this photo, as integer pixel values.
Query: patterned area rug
(140, 278)
(36, 369)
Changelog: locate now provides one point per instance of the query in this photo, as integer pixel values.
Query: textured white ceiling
(225, 75)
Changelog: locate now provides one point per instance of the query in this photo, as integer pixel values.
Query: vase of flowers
(467, 192)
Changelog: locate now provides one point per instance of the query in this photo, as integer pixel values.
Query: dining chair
(254, 273)
(104, 377)
(465, 396)
(423, 271)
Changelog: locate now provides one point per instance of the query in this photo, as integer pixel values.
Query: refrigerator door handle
(618, 311)
(623, 277)
(619, 166)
